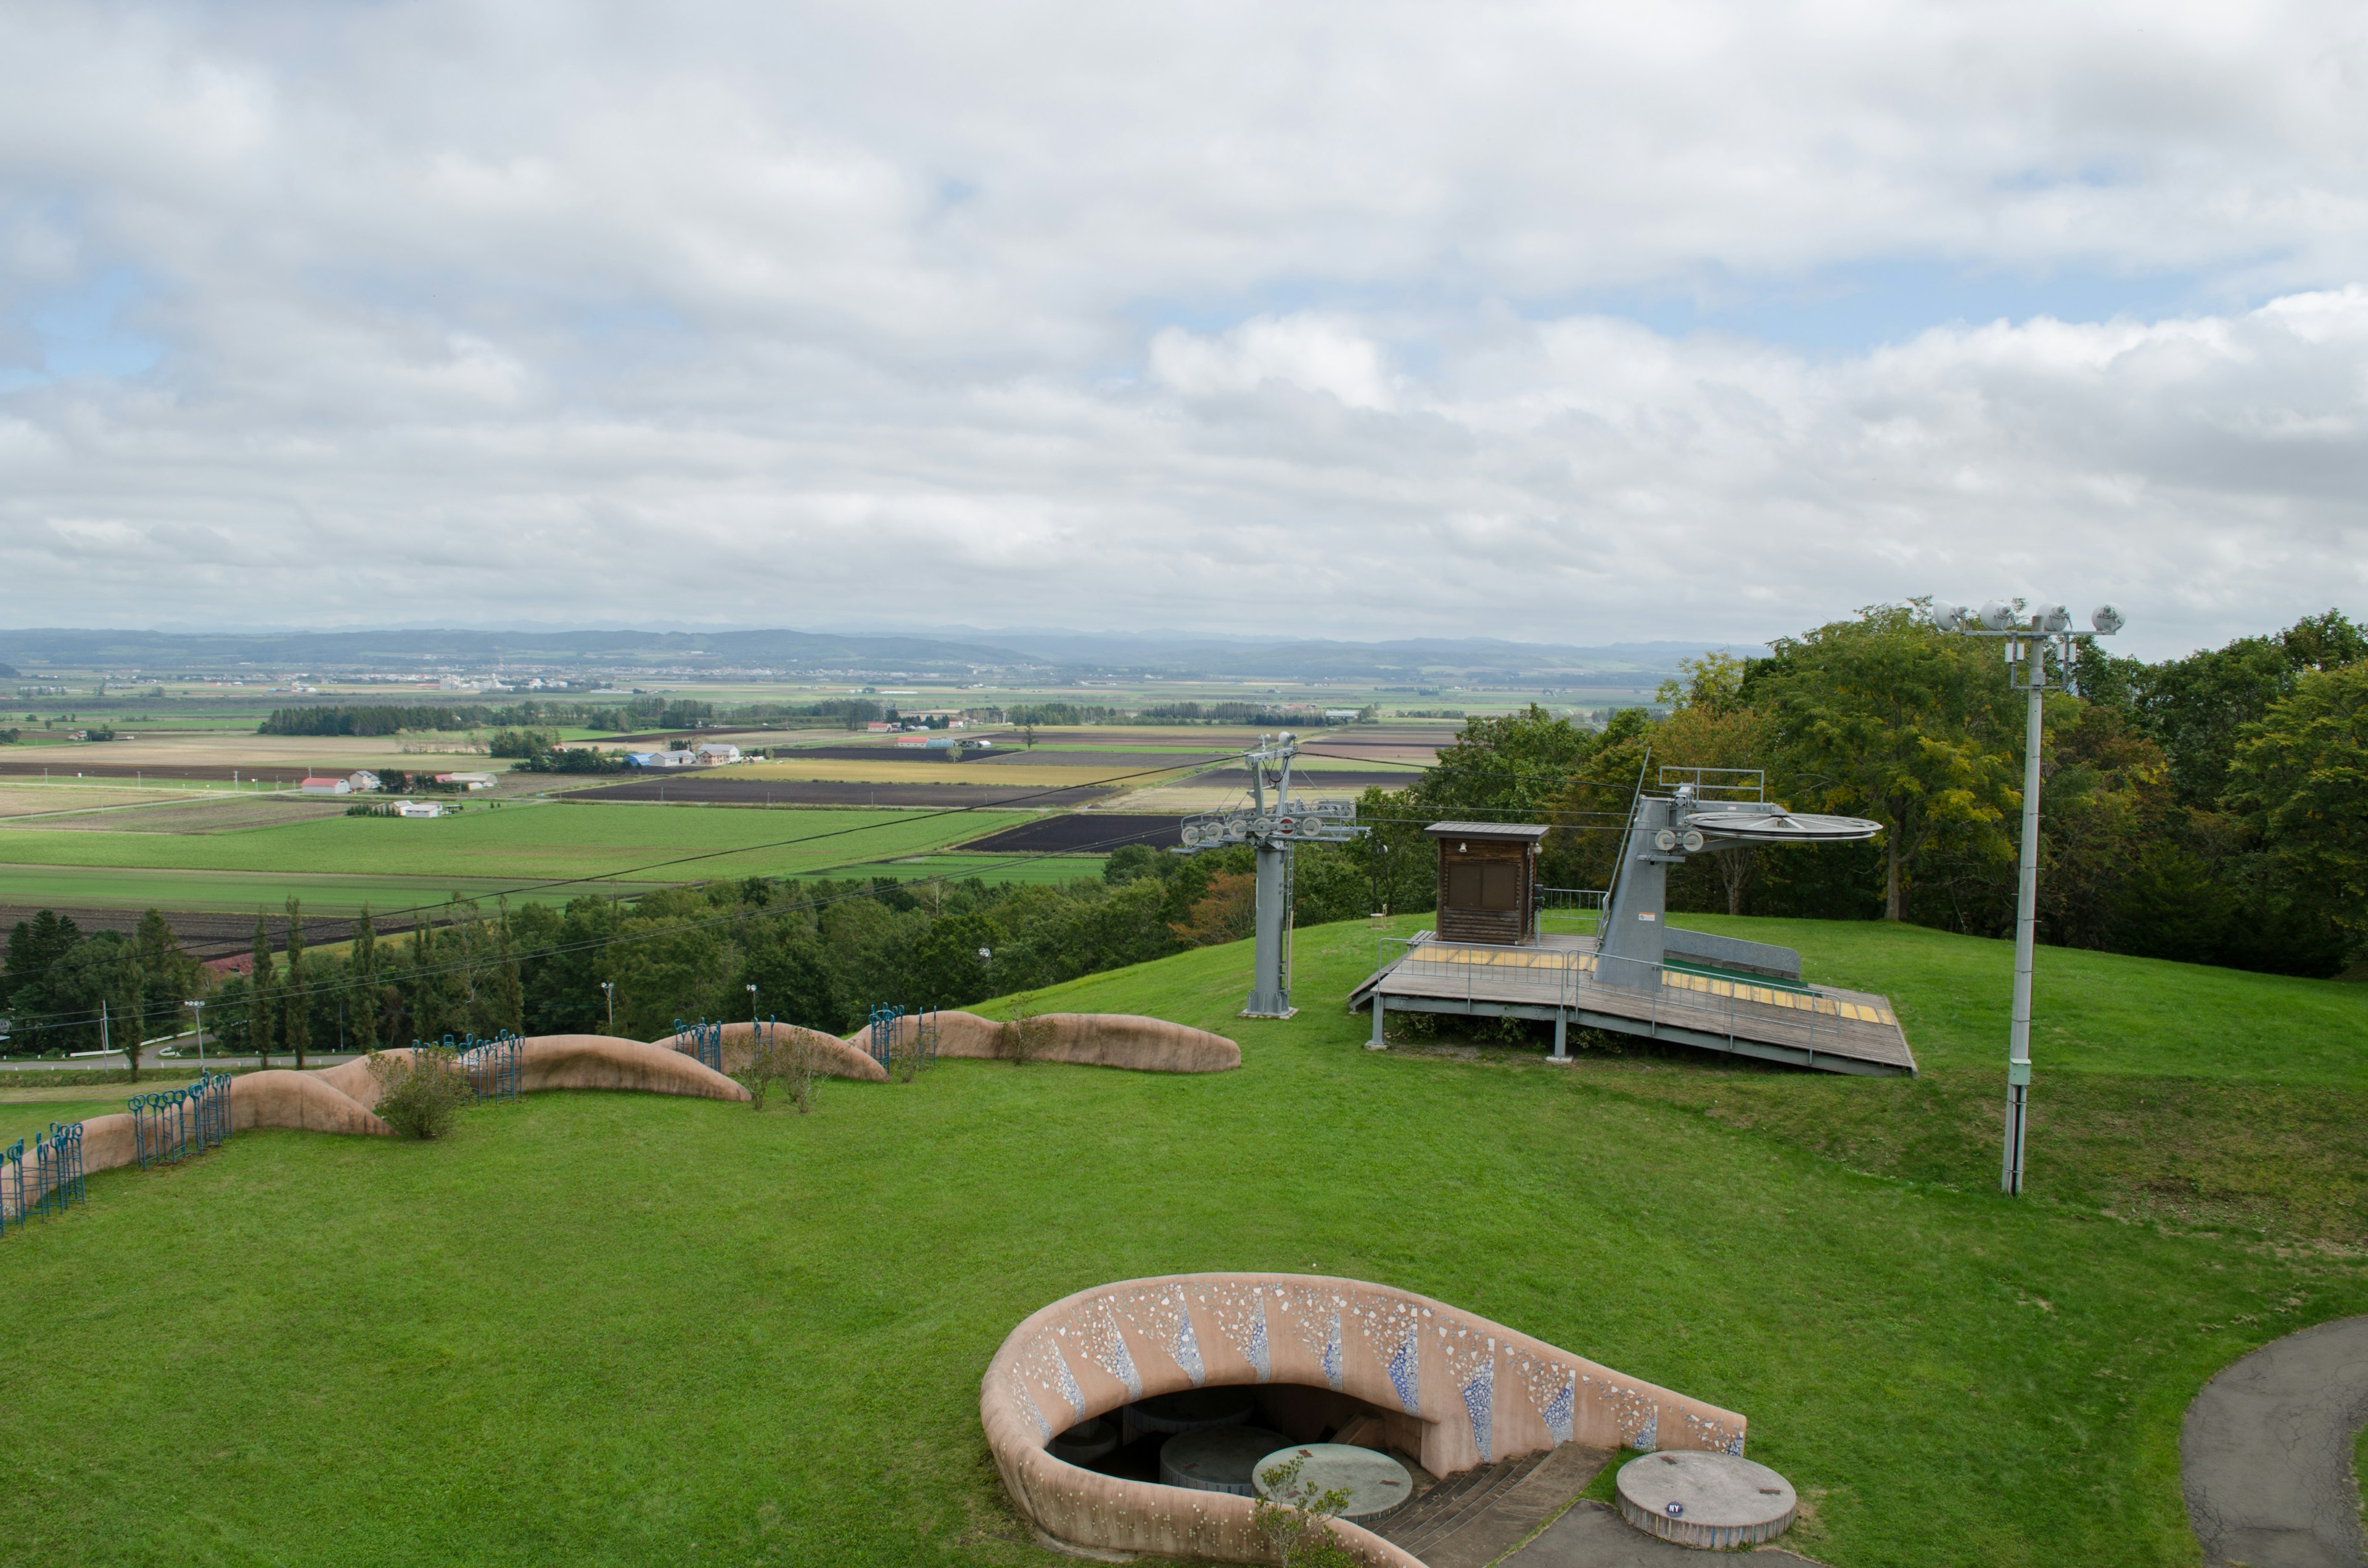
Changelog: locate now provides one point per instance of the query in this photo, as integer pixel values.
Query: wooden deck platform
(1560, 979)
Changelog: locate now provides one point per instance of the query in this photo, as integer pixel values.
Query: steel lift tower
(1272, 827)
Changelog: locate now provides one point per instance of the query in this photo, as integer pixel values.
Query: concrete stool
(1217, 1458)
(1708, 1500)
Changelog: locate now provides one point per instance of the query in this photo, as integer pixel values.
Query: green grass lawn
(617, 1329)
(525, 841)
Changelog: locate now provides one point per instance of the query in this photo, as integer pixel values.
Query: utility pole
(200, 1008)
(2027, 636)
(609, 988)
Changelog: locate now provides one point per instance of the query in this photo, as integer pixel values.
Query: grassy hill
(606, 1328)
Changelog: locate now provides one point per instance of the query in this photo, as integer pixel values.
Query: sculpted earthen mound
(1459, 1390)
(1090, 1040)
(834, 1056)
(338, 1099)
(575, 1062)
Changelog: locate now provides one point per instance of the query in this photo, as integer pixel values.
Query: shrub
(1022, 1039)
(1295, 1518)
(420, 1095)
(789, 1062)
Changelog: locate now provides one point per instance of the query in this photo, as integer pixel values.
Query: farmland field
(148, 887)
(524, 841)
(518, 1347)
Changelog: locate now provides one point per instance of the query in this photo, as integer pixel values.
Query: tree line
(2212, 808)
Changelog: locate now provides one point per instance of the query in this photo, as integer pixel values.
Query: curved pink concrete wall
(1481, 1392)
(1090, 1039)
(837, 1058)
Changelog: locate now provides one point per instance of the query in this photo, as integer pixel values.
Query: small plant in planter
(420, 1095)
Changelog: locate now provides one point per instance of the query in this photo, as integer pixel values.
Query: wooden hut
(1487, 882)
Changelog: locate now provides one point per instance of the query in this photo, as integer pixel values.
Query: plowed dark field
(1081, 834)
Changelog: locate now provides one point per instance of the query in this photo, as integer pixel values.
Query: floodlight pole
(2032, 656)
(200, 1008)
(2026, 639)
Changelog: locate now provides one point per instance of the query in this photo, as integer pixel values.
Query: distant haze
(1566, 325)
(958, 655)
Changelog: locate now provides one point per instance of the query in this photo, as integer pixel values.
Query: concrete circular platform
(1190, 1410)
(1377, 1485)
(1217, 1458)
(1708, 1500)
(1085, 1442)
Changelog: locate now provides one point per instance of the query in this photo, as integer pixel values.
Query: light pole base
(2018, 1117)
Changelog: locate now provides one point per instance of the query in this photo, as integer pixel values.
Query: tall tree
(2301, 777)
(262, 997)
(1710, 728)
(1887, 716)
(28, 984)
(365, 984)
(296, 1009)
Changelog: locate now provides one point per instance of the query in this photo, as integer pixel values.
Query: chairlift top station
(1637, 975)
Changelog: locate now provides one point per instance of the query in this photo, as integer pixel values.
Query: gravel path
(2265, 1454)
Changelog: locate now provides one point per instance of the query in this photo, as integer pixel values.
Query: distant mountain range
(962, 655)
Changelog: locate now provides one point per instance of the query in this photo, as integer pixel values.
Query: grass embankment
(2205, 1097)
(523, 841)
(610, 1328)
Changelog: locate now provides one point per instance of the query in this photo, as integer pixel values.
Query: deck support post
(1379, 1042)
(1562, 1034)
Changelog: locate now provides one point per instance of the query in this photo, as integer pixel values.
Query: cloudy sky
(1556, 322)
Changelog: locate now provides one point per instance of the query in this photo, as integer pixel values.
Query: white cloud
(1237, 317)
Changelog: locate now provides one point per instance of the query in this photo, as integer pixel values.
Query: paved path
(1593, 1535)
(2265, 1455)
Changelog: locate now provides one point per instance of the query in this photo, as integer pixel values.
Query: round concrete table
(1217, 1458)
(1376, 1483)
(1698, 1499)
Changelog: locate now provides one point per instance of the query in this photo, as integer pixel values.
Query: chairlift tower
(1272, 827)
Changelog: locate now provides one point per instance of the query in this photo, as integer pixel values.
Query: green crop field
(617, 1329)
(525, 841)
(988, 868)
(240, 893)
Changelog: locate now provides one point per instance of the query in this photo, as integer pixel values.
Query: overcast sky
(1568, 322)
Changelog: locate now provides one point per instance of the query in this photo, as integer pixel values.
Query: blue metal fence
(491, 1065)
(57, 1169)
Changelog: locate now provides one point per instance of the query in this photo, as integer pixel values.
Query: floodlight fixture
(2026, 637)
(1949, 617)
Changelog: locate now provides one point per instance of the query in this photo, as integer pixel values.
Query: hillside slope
(603, 1328)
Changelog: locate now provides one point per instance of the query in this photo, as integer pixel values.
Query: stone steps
(1473, 1519)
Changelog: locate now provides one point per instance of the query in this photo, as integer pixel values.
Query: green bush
(420, 1093)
